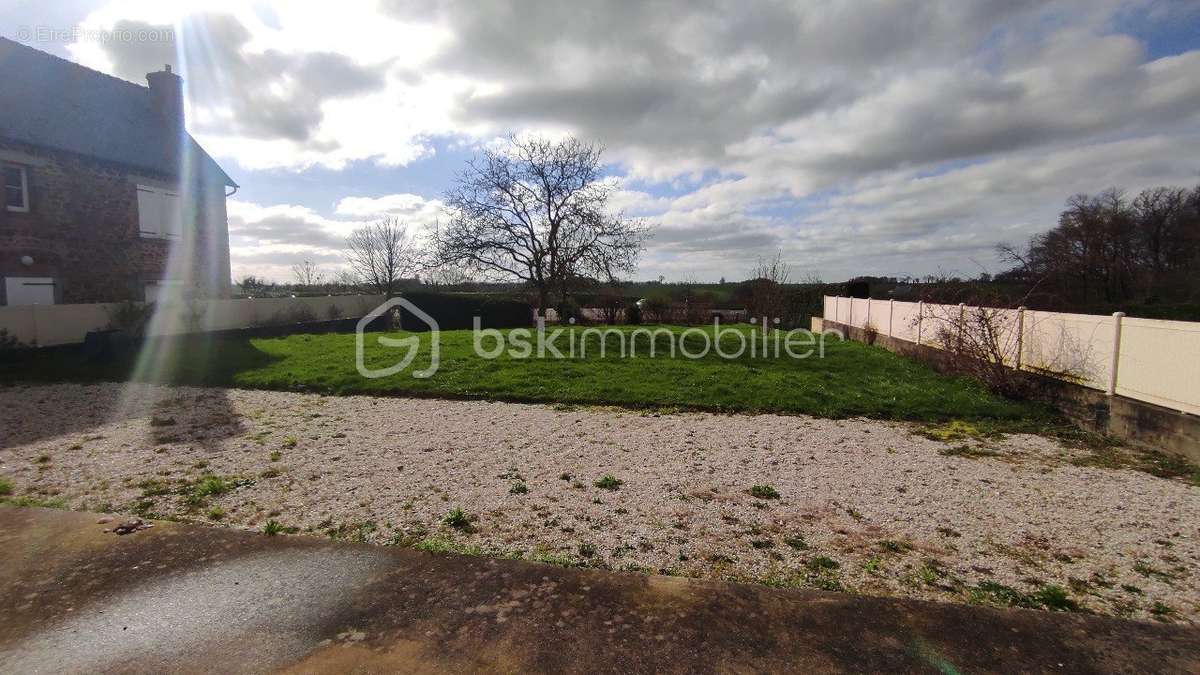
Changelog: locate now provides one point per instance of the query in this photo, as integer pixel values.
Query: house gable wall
(82, 230)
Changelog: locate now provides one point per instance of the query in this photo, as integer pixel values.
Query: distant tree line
(1109, 248)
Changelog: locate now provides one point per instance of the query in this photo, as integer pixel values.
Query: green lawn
(852, 378)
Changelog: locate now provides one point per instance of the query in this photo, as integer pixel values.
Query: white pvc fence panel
(1080, 344)
(1155, 361)
(904, 320)
(50, 325)
(1160, 363)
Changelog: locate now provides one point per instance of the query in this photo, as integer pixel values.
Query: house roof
(51, 102)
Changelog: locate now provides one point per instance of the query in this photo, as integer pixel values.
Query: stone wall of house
(82, 231)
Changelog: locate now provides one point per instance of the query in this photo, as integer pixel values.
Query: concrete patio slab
(184, 598)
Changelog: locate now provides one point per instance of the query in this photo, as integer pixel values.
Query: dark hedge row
(454, 311)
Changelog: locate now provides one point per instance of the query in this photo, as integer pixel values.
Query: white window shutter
(149, 212)
(172, 218)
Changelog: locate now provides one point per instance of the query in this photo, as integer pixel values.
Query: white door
(29, 290)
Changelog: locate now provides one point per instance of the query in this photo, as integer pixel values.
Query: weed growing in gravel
(587, 550)
(6, 487)
(202, 488)
(892, 546)
(154, 487)
(457, 519)
(435, 544)
(1054, 597)
(928, 575)
(290, 441)
(822, 563)
(1129, 588)
(518, 488)
(1161, 611)
(797, 542)
(216, 513)
(44, 502)
(272, 528)
(609, 482)
(560, 559)
(764, 492)
(356, 532)
(41, 459)
(957, 430)
(1149, 571)
(967, 452)
(1049, 596)
(992, 593)
(276, 455)
(1155, 463)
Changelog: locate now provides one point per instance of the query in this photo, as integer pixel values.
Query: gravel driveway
(865, 506)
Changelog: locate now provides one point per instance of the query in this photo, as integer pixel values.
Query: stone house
(106, 196)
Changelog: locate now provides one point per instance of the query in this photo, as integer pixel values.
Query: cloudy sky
(865, 137)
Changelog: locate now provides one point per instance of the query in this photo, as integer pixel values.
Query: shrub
(9, 342)
(870, 333)
(295, 313)
(982, 341)
(657, 309)
(130, 317)
(612, 305)
(569, 309)
(633, 314)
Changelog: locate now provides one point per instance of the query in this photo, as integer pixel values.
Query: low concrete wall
(52, 325)
(1138, 423)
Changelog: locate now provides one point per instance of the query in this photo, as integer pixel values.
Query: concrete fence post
(920, 318)
(868, 321)
(1116, 355)
(962, 321)
(1020, 335)
(891, 314)
(837, 309)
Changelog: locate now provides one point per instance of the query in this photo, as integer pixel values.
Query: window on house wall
(159, 213)
(16, 187)
(29, 290)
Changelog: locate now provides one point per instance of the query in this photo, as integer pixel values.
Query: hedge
(454, 311)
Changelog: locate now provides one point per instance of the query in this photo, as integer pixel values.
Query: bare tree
(537, 211)
(768, 292)
(447, 275)
(307, 274)
(382, 254)
(346, 278)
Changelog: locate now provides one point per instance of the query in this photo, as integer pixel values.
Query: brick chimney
(166, 95)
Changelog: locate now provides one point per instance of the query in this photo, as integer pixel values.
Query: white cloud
(408, 207)
(879, 137)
